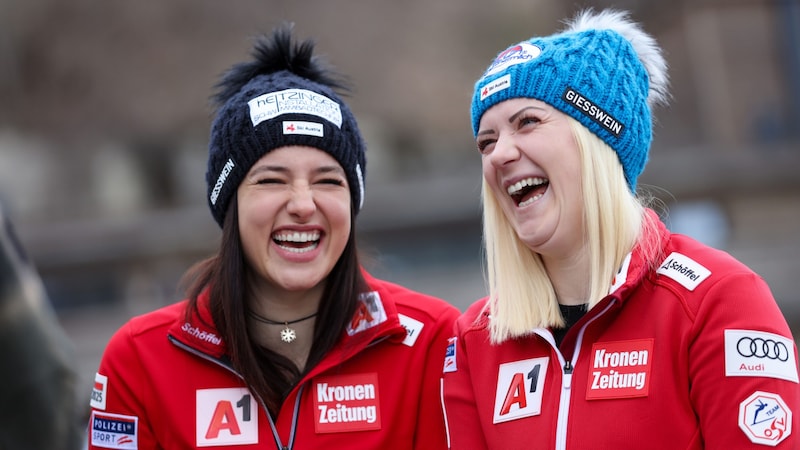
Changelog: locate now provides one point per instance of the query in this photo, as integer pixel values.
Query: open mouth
(528, 190)
(297, 242)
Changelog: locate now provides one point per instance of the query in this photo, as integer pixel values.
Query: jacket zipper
(566, 376)
(274, 429)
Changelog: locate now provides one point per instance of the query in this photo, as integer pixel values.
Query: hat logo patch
(308, 128)
(517, 54)
(592, 111)
(294, 101)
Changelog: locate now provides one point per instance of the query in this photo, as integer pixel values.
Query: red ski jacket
(167, 383)
(692, 354)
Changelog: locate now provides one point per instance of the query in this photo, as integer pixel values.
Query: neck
(570, 278)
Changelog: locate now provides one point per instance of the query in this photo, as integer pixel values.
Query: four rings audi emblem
(762, 348)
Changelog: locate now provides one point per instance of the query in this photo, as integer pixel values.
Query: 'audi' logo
(762, 348)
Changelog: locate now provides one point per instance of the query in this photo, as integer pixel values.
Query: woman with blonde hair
(602, 329)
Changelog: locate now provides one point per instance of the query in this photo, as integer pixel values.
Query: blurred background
(104, 120)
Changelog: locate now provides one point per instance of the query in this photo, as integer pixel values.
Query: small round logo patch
(516, 54)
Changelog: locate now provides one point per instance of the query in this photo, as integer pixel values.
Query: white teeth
(530, 200)
(297, 237)
(519, 185)
(300, 250)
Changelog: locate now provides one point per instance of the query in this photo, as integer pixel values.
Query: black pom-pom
(274, 53)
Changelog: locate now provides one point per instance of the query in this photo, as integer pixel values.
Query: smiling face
(531, 162)
(294, 219)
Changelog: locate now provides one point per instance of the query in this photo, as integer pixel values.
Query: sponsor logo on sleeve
(750, 353)
(114, 431)
(620, 369)
(413, 328)
(226, 416)
(684, 270)
(294, 101)
(99, 392)
(519, 389)
(369, 313)
(765, 419)
(344, 403)
(298, 127)
(450, 355)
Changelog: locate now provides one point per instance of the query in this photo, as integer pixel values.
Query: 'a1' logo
(519, 389)
(227, 416)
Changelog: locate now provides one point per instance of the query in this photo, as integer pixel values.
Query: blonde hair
(521, 296)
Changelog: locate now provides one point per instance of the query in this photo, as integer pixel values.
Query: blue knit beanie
(603, 71)
(284, 97)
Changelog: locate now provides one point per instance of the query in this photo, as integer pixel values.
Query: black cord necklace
(287, 334)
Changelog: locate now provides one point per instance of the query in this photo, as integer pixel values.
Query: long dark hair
(269, 374)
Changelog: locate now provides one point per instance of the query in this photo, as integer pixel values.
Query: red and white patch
(113, 431)
(765, 418)
(620, 369)
(413, 328)
(344, 403)
(369, 313)
(519, 389)
(226, 416)
(300, 127)
(450, 356)
(99, 392)
(496, 86)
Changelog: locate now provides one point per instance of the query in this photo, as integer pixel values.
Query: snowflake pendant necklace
(288, 334)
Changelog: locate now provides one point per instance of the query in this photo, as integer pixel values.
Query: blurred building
(104, 120)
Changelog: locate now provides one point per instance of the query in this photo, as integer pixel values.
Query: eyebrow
(513, 117)
(283, 169)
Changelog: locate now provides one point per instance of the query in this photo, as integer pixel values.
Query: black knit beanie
(283, 97)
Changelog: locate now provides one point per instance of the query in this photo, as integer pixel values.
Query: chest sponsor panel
(344, 403)
(620, 369)
(519, 389)
(226, 416)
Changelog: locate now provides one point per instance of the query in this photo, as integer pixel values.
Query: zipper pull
(568, 368)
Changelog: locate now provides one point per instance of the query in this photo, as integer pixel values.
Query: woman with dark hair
(284, 341)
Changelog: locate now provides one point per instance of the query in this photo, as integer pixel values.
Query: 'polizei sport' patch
(99, 392)
(294, 101)
(450, 355)
(226, 416)
(114, 430)
(765, 419)
(620, 369)
(413, 328)
(344, 403)
(519, 389)
(684, 270)
(750, 353)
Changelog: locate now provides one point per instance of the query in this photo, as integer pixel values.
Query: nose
(301, 204)
(505, 150)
